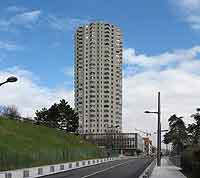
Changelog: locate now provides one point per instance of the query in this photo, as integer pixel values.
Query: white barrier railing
(51, 169)
(148, 171)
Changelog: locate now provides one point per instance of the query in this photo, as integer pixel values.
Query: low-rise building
(128, 143)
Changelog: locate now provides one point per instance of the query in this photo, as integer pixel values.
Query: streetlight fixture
(161, 131)
(158, 131)
(9, 80)
(149, 112)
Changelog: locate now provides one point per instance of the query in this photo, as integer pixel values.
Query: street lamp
(149, 112)
(161, 131)
(9, 80)
(158, 131)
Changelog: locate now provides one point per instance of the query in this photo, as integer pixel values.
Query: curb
(52, 169)
(148, 171)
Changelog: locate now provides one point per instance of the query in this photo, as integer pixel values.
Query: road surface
(129, 168)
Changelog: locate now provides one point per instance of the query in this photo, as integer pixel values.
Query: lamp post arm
(3, 83)
(151, 112)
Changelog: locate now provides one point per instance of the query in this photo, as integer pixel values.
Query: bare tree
(1, 110)
(10, 111)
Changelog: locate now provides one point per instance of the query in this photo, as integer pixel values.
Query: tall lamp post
(9, 79)
(158, 131)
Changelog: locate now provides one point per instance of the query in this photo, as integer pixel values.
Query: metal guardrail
(148, 171)
(10, 160)
(176, 160)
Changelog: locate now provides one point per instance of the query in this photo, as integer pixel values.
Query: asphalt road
(131, 168)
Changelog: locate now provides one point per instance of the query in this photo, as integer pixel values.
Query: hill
(23, 144)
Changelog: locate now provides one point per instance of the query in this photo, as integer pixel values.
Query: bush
(190, 160)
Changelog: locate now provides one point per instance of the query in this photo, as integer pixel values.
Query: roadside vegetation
(28, 143)
(185, 141)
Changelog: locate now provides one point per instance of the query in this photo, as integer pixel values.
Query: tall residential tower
(98, 77)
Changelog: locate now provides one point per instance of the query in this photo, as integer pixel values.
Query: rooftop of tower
(98, 22)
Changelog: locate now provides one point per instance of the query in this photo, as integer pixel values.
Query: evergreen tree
(41, 116)
(177, 134)
(60, 116)
(194, 129)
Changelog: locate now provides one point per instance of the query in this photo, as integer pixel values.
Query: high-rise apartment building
(98, 77)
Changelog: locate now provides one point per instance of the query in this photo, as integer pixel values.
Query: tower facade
(98, 77)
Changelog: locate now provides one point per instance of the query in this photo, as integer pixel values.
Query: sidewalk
(167, 170)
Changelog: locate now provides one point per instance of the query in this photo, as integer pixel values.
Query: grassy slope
(27, 145)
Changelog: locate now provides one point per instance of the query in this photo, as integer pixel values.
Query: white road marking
(105, 169)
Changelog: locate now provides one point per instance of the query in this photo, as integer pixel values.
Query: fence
(176, 160)
(12, 160)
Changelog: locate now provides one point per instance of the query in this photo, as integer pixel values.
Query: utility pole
(158, 112)
(159, 134)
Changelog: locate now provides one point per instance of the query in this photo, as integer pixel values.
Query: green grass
(27, 145)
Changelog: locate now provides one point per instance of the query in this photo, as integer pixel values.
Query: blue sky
(151, 27)
(161, 52)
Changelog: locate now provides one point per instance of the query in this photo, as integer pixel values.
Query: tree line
(59, 116)
(182, 136)
(185, 140)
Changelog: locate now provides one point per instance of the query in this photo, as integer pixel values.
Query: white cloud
(63, 24)
(9, 46)
(25, 19)
(69, 71)
(194, 21)
(16, 9)
(190, 10)
(178, 82)
(27, 94)
(168, 59)
(189, 5)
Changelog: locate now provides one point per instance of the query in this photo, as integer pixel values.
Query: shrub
(190, 161)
